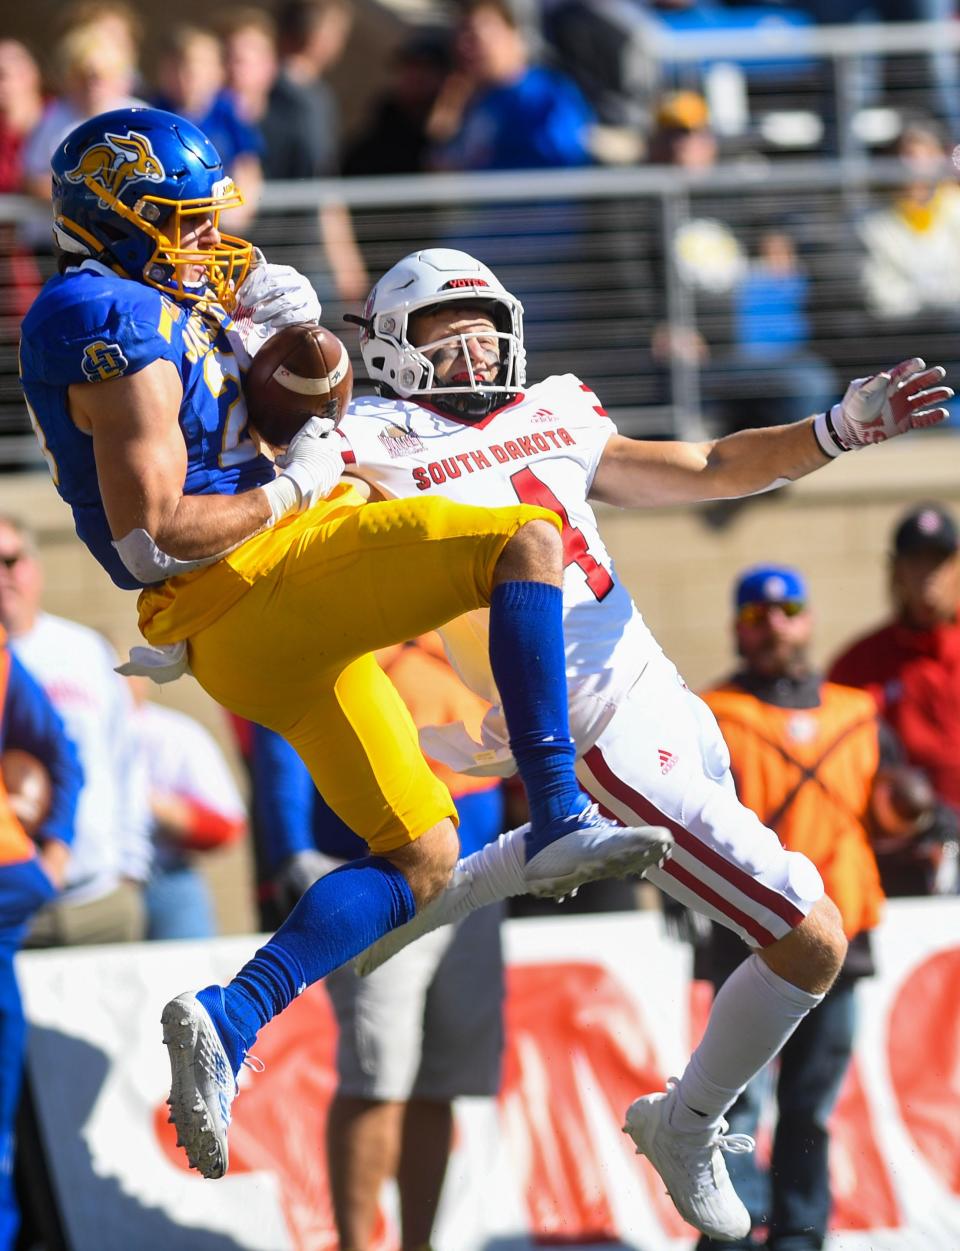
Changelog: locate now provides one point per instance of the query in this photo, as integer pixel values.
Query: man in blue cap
(804, 753)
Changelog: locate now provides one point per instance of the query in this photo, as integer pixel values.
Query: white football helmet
(424, 280)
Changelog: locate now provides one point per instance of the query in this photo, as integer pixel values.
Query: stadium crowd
(771, 302)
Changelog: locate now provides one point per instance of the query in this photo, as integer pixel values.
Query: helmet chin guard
(428, 280)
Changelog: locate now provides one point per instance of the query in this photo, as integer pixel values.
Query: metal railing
(595, 257)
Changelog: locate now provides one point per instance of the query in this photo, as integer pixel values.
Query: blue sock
(529, 665)
(338, 917)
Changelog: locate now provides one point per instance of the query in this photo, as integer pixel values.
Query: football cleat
(590, 846)
(584, 848)
(691, 1165)
(202, 1085)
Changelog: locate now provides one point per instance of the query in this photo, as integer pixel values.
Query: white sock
(496, 869)
(753, 1015)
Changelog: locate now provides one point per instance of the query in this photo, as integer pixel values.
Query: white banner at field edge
(599, 1010)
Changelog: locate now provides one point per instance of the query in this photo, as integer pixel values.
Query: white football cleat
(587, 848)
(202, 1086)
(692, 1166)
(594, 847)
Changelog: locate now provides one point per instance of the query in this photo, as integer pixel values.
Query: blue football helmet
(130, 185)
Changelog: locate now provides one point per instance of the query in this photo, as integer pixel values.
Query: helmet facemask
(473, 396)
(167, 222)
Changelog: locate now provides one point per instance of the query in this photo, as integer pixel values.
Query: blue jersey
(539, 121)
(89, 325)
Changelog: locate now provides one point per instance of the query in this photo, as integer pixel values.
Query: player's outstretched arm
(634, 474)
(141, 462)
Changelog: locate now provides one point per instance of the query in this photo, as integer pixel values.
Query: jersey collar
(465, 421)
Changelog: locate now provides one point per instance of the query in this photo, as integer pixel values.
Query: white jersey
(543, 448)
(649, 750)
(183, 758)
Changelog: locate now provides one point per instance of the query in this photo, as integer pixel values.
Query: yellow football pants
(280, 632)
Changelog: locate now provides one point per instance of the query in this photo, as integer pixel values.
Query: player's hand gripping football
(272, 296)
(313, 461)
(907, 397)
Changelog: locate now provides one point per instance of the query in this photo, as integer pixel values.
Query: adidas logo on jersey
(667, 760)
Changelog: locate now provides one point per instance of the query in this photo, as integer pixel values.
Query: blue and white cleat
(203, 1085)
(584, 848)
(591, 847)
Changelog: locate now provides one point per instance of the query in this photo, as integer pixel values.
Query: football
(28, 787)
(302, 371)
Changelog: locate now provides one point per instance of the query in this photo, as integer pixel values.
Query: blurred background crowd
(716, 212)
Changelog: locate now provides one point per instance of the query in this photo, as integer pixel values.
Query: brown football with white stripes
(302, 371)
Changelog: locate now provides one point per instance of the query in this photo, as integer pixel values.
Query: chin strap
(470, 403)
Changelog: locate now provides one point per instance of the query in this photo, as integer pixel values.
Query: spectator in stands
(21, 107)
(190, 80)
(911, 668)
(682, 134)
(300, 134)
(311, 38)
(34, 850)
(299, 138)
(779, 379)
(608, 50)
(804, 753)
(195, 808)
(398, 138)
(757, 367)
(911, 264)
(427, 1027)
(520, 116)
(116, 21)
(865, 82)
(103, 897)
(703, 252)
(95, 69)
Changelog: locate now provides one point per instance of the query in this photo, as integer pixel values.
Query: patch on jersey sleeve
(103, 361)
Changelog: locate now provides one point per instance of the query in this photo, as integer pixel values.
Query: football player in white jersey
(443, 341)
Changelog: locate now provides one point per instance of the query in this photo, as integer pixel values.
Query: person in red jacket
(911, 667)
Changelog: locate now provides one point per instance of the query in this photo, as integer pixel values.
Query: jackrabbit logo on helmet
(117, 161)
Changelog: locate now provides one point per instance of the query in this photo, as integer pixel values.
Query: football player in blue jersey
(274, 583)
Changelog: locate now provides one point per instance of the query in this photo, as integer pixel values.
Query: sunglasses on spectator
(753, 614)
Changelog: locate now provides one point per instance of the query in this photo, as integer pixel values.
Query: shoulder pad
(92, 326)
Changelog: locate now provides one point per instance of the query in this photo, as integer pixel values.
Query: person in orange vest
(428, 1027)
(804, 753)
(40, 780)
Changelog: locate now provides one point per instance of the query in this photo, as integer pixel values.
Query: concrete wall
(834, 526)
